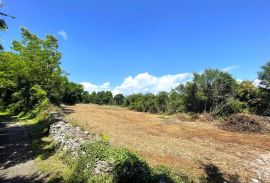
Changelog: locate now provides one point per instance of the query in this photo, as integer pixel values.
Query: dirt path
(16, 159)
(192, 147)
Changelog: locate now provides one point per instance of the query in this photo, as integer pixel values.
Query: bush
(16, 108)
(130, 168)
(127, 167)
(233, 106)
(119, 99)
(162, 173)
(137, 106)
(89, 154)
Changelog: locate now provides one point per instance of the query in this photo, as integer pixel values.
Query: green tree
(43, 59)
(93, 98)
(176, 103)
(208, 91)
(86, 97)
(73, 93)
(149, 103)
(119, 99)
(104, 97)
(3, 25)
(248, 94)
(135, 102)
(162, 100)
(264, 76)
(33, 65)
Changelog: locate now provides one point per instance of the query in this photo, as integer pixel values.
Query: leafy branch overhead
(3, 24)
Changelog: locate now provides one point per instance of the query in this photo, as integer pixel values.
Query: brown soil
(185, 146)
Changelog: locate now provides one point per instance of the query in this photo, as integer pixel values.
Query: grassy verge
(44, 149)
(127, 166)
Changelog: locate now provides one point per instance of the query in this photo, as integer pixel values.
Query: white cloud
(230, 68)
(63, 34)
(257, 82)
(95, 88)
(142, 83)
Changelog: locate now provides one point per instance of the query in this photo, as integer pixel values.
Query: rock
(67, 136)
(103, 167)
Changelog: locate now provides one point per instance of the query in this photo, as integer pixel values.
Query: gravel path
(16, 158)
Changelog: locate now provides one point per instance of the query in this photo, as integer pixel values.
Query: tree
(149, 103)
(104, 98)
(176, 102)
(73, 93)
(93, 98)
(162, 101)
(33, 65)
(208, 91)
(43, 58)
(86, 97)
(119, 99)
(249, 95)
(264, 76)
(135, 102)
(3, 25)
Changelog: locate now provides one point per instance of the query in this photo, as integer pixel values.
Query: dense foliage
(3, 25)
(31, 76)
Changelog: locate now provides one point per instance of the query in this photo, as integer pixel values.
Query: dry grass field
(186, 146)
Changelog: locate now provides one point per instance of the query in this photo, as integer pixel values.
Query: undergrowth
(128, 167)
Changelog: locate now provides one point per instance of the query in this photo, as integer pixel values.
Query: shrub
(89, 154)
(233, 106)
(127, 167)
(162, 173)
(130, 168)
(119, 99)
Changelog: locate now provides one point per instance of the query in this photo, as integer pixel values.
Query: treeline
(31, 76)
(212, 91)
(103, 98)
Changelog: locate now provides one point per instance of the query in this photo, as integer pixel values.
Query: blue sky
(157, 43)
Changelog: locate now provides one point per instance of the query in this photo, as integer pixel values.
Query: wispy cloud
(63, 34)
(230, 68)
(142, 83)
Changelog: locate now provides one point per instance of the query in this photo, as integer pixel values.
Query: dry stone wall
(71, 138)
(67, 136)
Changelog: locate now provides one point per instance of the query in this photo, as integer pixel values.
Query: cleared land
(190, 147)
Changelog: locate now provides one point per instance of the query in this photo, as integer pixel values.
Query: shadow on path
(16, 157)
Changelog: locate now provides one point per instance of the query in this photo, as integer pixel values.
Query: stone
(67, 136)
(103, 167)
